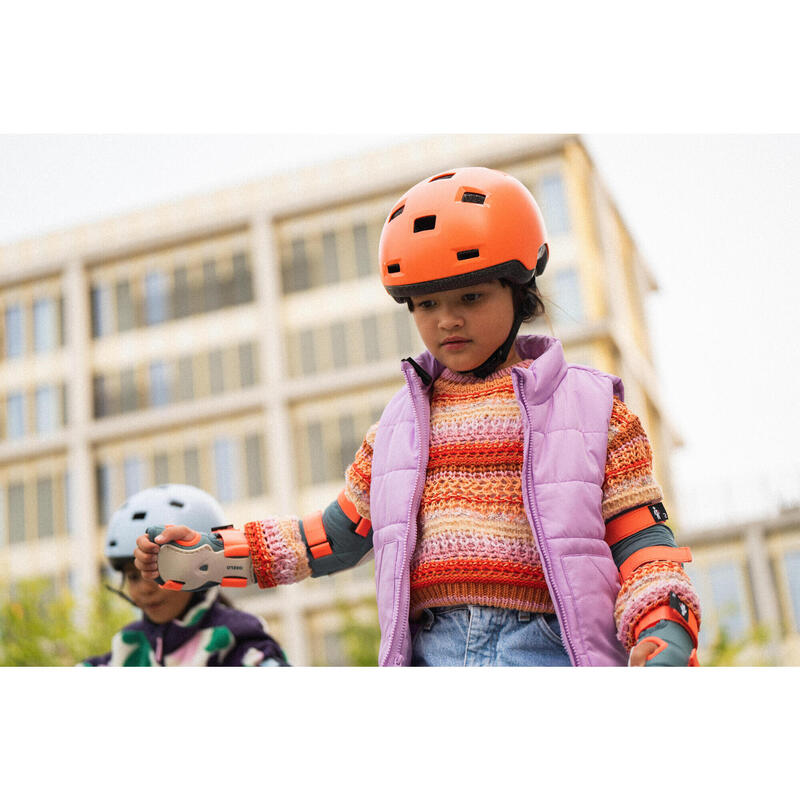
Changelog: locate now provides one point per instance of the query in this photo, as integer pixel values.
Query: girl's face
(159, 604)
(462, 327)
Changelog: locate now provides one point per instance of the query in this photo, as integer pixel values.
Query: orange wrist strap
(667, 612)
(656, 553)
(363, 525)
(634, 521)
(316, 537)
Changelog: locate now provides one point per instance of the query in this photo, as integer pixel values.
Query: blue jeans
(478, 636)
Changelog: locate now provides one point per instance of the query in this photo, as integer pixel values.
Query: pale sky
(714, 216)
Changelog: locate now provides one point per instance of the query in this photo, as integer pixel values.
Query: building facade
(241, 341)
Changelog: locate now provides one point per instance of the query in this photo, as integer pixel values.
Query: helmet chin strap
(497, 359)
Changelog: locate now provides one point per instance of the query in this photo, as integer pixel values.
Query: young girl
(508, 496)
(178, 628)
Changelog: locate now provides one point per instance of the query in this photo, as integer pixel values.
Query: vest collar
(541, 378)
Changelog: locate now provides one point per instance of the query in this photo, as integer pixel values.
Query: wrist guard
(673, 628)
(219, 558)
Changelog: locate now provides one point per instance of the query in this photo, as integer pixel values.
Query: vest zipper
(544, 553)
(406, 600)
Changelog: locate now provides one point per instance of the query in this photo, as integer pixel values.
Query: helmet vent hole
(396, 213)
(177, 503)
(442, 177)
(425, 223)
(393, 268)
(139, 515)
(473, 197)
(463, 255)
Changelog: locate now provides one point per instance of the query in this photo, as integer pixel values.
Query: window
(46, 409)
(15, 416)
(181, 298)
(155, 298)
(247, 364)
(216, 372)
(299, 273)
(16, 512)
(45, 521)
(363, 253)
(191, 466)
(349, 442)
(68, 515)
(159, 384)
(15, 331)
(133, 471)
(727, 592)
(308, 355)
(185, 378)
(128, 393)
(125, 310)
(45, 325)
(226, 469)
(242, 279)
(552, 196)
(254, 460)
(568, 300)
(339, 344)
(369, 327)
(160, 468)
(792, 563)
(212, 298)
(101, 311)
(103, 480)
(330, 263)
(316, 451)
(101, 405)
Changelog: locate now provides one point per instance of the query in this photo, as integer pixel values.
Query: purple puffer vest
(565, 415)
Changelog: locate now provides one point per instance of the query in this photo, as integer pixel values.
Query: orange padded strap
(348, 508)
(315, 535)
(235, 543)
(647, 554)
(632, 522)
(363, 525)
(667, 612)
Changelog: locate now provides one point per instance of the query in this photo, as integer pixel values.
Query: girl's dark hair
(527, 300)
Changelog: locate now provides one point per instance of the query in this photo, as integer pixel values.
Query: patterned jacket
(209, 634)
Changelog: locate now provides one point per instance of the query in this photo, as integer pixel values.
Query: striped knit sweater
(475, 544)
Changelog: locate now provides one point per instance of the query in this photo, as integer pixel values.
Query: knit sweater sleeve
(277, 544)
(629, 484)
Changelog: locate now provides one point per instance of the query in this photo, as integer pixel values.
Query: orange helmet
(459, 228)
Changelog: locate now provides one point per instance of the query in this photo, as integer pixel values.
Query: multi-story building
(241, 341)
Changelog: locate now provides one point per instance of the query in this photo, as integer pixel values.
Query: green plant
(38, 627)
(360, 637)
(729, 651)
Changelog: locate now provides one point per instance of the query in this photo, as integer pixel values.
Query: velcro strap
(348, 508)
(235, 543)
(634, 521)
(363, 525)
(687, 620)
(647, 554)
(316, 537)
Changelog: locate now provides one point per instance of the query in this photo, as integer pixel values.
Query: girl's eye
(471, 297)
(425, 304)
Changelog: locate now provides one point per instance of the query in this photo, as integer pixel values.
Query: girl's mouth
(454, 343)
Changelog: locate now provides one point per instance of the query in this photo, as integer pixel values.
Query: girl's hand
(640, 652)
(145, 555)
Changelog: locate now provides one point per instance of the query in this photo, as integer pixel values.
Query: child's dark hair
(528, 302)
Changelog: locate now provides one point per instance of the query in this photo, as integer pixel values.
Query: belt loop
(523, 616)
(428, 618)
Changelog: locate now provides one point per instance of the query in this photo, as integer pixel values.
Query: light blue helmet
(171, 503)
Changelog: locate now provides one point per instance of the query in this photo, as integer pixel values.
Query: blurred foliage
(38, 626)
(750, 650)
(360, 636)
